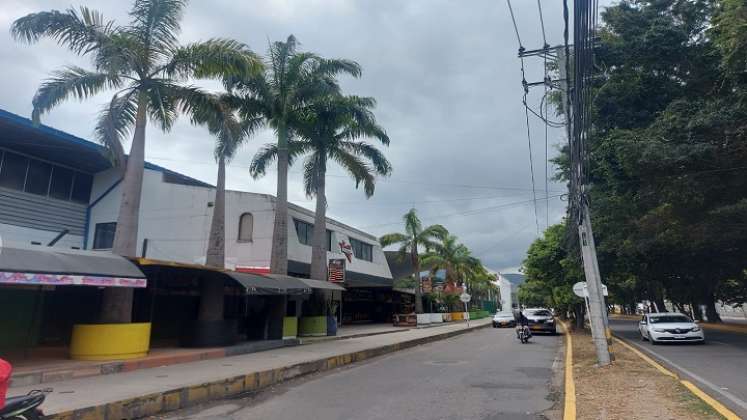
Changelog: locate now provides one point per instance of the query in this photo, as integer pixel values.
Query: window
(103, 237)
(362, 250)
(246, 227)
(305, 233)
(38, 177)
(82, 188)
(62, 183)
(13, 172)
(37, 180)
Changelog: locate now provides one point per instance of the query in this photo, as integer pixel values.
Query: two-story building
(60, 190)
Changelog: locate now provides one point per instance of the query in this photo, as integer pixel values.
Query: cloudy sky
(448, 85)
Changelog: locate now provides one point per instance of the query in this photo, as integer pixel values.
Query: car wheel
(653, 342)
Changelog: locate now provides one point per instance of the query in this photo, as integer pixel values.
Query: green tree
(280, 96)
(147, 67)
(219, 115)
(415, 238)
(330, 129)
(455, 258)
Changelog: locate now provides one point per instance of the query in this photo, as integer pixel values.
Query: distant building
(508, 284)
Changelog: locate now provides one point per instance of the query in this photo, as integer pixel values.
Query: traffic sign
(580, 290)
(465, 297)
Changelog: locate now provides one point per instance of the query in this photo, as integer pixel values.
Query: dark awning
(322, 285)
(259, 284)
(38, 265)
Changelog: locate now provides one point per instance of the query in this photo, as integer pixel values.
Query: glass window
(13, 172)
(246, 226)
(103, 237)
(329, 240)
(82, 188)
(305, 231)
(669, 318)
(62, 183)
(362, 250)
(37, 179)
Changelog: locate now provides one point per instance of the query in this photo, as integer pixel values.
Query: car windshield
(540, 313)
(669, 318)
(504, 315)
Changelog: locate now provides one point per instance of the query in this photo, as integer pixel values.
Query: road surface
(486, 374)
(719, 367)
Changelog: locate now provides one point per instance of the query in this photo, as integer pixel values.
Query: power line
(544, 100)
(513, 19)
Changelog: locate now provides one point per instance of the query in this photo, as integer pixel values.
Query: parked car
(504, 319)
(669, 327)
(540, 320)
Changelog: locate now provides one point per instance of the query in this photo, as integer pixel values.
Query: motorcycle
(24, 407)
(524, 334)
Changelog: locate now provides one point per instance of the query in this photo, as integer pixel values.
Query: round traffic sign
(465, 297)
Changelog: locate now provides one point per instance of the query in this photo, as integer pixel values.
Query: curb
(717, 406)
(569, 401)
(175, 399)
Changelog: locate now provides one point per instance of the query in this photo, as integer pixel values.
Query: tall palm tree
(147, 68)
(330, 129)
(219, 115)
(415, 238)
(280, 94)
(453, 257)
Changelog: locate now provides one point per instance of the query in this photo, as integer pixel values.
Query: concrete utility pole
(597, 310)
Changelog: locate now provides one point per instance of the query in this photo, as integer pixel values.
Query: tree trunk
(418, 286)
(319, 241)
(279, 254)
(711, 312)
(578, 313)
(116, 305)
(211, 294)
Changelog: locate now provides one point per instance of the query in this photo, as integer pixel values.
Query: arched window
(246, 226)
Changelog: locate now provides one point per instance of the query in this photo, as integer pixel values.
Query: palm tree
(219, 115)
(414, 238)
(330, 129)
(147, 67)
(453, 257)
(280, 94)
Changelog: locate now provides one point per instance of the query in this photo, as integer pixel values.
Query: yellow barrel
(110, 341)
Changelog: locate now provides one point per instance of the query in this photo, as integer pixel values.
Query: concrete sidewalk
(152, 391)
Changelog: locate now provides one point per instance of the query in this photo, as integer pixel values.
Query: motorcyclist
(521, 322)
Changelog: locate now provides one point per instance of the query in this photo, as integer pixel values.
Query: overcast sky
(448, 85)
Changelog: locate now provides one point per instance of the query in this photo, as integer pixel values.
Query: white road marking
(719, 390)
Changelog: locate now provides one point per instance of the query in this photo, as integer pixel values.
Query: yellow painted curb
(569, 406)
(720, 408)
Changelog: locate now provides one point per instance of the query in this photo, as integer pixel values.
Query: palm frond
(214, 58)
(434, 232)
(80, 31)
(74, 81)
(393, 238)
(156, 23)
(413, 226)
(269, 153)
(114, 125)
(335, 67)
(358, 169)
(372, 154)
(314, 169)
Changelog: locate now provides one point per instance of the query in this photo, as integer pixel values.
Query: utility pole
(597, 310)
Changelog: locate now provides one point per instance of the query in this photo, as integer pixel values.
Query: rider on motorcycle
(521, 323)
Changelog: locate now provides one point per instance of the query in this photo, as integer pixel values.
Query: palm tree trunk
(319, 241)
(211, 296)
(279, 253)
(116, 305)
(418, 288)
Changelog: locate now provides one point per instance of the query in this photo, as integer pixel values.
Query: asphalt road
(486, 374)
(718, 367)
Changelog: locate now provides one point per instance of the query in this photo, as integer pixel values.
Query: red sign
(346, 249)
(336, 272)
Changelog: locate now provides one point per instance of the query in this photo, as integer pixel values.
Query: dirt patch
(629, 389)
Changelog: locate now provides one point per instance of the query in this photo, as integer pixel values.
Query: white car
(504, 319)
(669, 327)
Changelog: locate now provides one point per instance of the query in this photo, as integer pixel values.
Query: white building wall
(176, 220)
